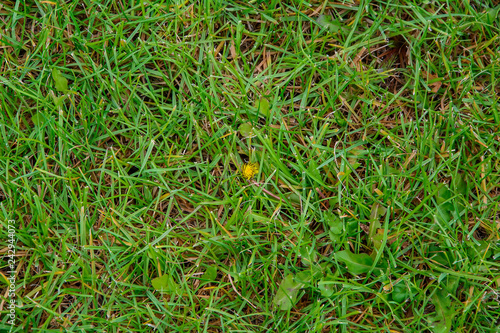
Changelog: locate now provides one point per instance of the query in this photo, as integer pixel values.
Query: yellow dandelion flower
(249, 170)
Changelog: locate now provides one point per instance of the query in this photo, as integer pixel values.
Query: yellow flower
(249, 170)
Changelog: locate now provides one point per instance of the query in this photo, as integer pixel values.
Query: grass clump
(373, 128)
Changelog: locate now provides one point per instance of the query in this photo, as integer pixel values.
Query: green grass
(375, 125)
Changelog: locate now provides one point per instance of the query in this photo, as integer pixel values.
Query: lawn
(250, 166)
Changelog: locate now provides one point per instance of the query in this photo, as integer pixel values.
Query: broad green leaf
(444, 204)
(210, 274)
(334, 201)
(58, 101)
(382, 298)
(451, 284)
(444, 311)
(294, 198)
(262, 106)
(400, 293)
(236, 273)
(287, 293)
(460, 184)
(376, 212)
(336, 226)
(492, 15)
(326, 21)
(355, 165)
(377, 241)
(37, 119)
(326, 288)
(335, 238)
(304, 276)
(166, 284)
(308, 255)
(443, 194)
(60, 81)
(319, 270)
(356, 263)
(441, 255)
(351, 226)
(246, 130)
(312, 273)
(480, 251)
(443, 214)
(312, 169)
(335, 223)
(460, 187)
(152, 252)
